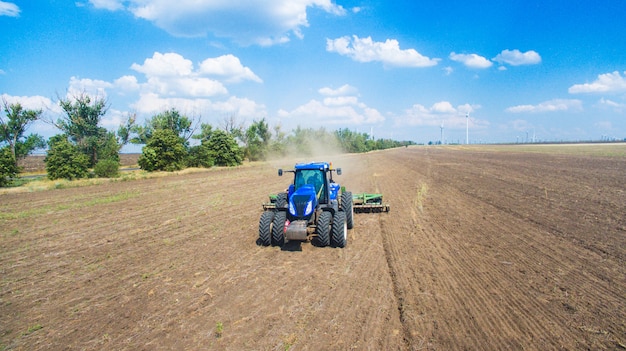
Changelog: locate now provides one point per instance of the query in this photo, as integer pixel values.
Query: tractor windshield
(313, 177)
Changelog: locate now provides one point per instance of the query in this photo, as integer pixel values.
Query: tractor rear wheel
(323, 229)
(265, 228)
(278, 228)
(340, 230)
(346, 206)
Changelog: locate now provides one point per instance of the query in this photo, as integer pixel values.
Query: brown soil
(481, 250)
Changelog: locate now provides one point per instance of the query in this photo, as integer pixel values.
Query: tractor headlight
(309, 208)
(292, 209)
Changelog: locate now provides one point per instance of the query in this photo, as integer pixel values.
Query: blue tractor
(313, 208)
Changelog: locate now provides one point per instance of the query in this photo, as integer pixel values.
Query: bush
(109, 168)
(163, 152)
(8, 169)
(200, 156)
(64, 160)
(224, 149)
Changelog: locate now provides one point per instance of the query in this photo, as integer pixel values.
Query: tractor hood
(303, 201)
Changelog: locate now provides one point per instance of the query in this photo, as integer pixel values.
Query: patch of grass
(219, 329)
(419, 197)
(33, 328)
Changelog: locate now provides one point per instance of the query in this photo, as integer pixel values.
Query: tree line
(84, 148)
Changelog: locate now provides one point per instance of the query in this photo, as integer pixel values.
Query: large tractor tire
(346, 206)
(339, 236)
(278, 228)
(265, 228)
(323, 229)
(281, 200)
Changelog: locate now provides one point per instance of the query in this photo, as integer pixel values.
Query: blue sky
(555, 70)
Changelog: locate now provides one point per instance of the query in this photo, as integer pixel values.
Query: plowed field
(481, 250)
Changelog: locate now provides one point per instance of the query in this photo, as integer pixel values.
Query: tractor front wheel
(340, 230)
(323, 229)
(278, 228)
(281, 200)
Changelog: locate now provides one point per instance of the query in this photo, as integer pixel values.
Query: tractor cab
(311, 178)
(311, 189)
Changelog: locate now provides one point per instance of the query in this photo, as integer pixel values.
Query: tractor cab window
(313, 177)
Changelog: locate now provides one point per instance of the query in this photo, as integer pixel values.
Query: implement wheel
(278, 228)
(340, 230)
(346, 206)
(323, 229)
(265, 228)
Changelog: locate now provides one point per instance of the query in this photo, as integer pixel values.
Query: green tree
(206, 131)
(81, 125)
(278, 144)
(171, 119)
(257, 140)
(200, 155)
(224, 149)
(164, 151)
(65, 160)
(13, 128)
(8, 167)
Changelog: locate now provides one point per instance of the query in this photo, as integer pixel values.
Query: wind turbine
(441, 132)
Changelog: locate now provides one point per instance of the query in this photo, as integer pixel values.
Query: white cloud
(343, 90)
(606, 83)
(337, 108)
(229, 67)
(164, 65)
(151, 103)
(246, 22)
(342, 101)
(171, 81)
(91, 87)
(388, 52)
(113, 119)
(171, 74)
(9, 9)
(471, 60)
(32, 102)
(440, 112)
(518, 58)
(448, 70)
(443, 107)
(549, 106)
(127, 83)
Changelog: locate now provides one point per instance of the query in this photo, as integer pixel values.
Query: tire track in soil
(388, 242)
